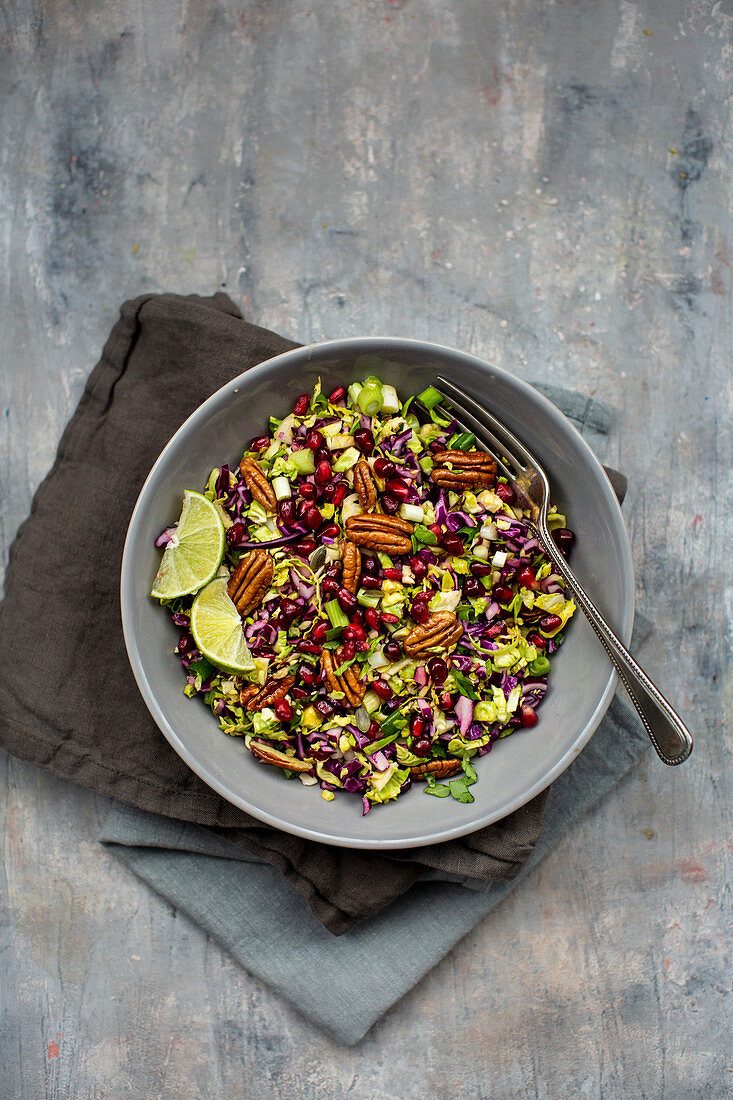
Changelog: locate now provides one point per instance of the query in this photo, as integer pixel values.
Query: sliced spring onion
(281, 486)
(430, 397)
(369, 399)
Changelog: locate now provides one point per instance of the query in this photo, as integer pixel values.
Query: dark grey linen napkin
(73, 706)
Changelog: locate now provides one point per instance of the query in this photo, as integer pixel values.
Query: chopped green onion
(281, 486)
(303, 461)
(430, 397)
(335, 614)
(369, 399)
(462, 441)
(540, 666)
(354, 390)
(390, 400)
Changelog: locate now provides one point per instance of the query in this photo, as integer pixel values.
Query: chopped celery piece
(368, 598)
(335, 614)
(303, 461)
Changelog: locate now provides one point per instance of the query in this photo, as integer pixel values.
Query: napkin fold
(72, 706)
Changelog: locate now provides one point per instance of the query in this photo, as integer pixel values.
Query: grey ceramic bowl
(582, 681)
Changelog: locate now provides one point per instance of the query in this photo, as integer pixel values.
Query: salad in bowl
(363, 599)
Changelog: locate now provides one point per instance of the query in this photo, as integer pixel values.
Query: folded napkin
(344, 985)
(72, 705)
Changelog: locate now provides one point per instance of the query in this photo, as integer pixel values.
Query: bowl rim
(377, 344)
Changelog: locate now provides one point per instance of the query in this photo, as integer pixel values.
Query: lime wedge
(195, 552)
(217, 629)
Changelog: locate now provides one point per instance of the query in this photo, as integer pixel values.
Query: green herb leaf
(459, 790)
(464, 685)
(438, 789)
(425, 535)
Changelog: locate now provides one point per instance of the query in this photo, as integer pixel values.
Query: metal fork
(666, 730)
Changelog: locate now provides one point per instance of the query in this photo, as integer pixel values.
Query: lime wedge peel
(195, 552)
(216, 626)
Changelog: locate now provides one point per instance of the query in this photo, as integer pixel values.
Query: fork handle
(666, 730)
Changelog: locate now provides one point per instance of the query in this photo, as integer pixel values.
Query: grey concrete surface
(546, 184)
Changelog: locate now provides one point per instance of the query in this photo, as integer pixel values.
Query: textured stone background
(546, 184)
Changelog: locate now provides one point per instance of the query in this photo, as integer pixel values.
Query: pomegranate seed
(536, 640)
(392, 651)
(304, 646)
(330, 585)
(330, 531)
(328, 490)
(372, 583)
(383, 467)
(300, 405)
(362, 647)
(527, 577)
(382, 689)
(371, 616)
(417, 726)
(419, 568)
(387, 617)
(307, 490)
(550, 624)
(528, 716)
(314, 439)
(324, 707)
(339, 494)
(348, 650)
(473, 587)
(304, 547)
(287, 511)
(505, 492)
(398, 488)
(289, 609)
(354, 632)
(374, 729)
(185, 643)
(338, 395)
(437, 531)
(346, 600)
(236, 533)
(436, 446)
(393, 574)
(283, 710)
(319, 632)
(364, 440)
(370, 565)
(564, 538)
(438, 670)
(419, 611)
(299, 693)
(452, 543)
(421, 746)
(323, 473)
(480, 568)
(259, 443)
(446, 700)
(423, 595)
(313, 517)
(495, 630)
(390, 503)
(502, 593)
(306, 674)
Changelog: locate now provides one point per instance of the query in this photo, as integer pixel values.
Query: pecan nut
(279, 759)
(348, 682)
(441, 769)
(250, 580)
(351, 558)
(461, 470)
(388, 534)
(440, 632)
(256, 481)
(253, 697)
(364, 486)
